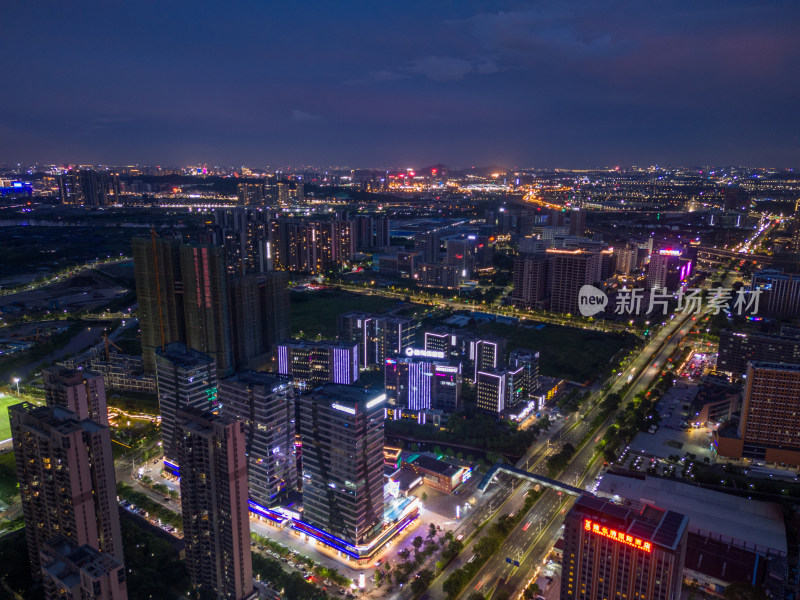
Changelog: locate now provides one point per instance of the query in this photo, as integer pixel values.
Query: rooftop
(180, 354)
(739, 519)
(661, 526)
(433, 465)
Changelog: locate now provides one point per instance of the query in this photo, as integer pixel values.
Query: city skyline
(468, 84)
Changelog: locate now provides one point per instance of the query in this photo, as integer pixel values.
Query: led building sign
(425, 353)
(618, 536)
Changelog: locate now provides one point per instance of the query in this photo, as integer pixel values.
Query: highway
(505, 311)
(535, 534)
(532, 544)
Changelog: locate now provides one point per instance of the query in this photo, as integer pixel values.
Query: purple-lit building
(314, 363)
(420, 383)
(668, 269)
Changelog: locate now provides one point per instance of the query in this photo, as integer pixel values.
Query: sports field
(6, 401)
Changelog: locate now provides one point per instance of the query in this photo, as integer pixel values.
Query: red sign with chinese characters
(619, 536)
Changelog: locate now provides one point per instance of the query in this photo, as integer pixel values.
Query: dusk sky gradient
(405, 84)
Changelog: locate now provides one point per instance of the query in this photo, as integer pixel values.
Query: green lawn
(316, 312)
(565, 352)
(5, 402)
(8, 477)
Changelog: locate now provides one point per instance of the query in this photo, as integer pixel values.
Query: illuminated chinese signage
(619, 536)
(669, 252)
(424, 353)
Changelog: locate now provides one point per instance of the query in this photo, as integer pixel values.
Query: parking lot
(676, 434)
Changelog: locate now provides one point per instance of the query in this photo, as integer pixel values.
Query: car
(378, 563)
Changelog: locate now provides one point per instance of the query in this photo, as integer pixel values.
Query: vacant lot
(316, 312)
(564, 352)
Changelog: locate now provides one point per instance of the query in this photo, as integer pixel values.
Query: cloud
(386, 75)
(300, 116)
(441, 68)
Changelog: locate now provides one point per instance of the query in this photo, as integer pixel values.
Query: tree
(417, 542)
(424, 497)
(476, 596)
(423, 581)
(531, 591)
(404, 553)
(431, 530)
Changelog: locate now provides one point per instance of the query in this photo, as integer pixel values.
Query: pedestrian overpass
(533, 477)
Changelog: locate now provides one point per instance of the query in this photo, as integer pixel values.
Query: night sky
(405, 84)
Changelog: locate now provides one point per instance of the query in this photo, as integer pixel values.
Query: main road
(532, 539)
(534, 534)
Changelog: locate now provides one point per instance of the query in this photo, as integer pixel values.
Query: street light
(16, 380)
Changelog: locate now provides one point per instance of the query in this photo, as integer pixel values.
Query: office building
(500, 390)
(487, 354)
(265, 403)
(780, 293)
(82, 392)
(769, 429)
(428, 245)
(312, 363)
(342, 433)
(569, 270)
(419, 383)
(377, 336)
(456, 344)
(531, 281)
(216, 527)
(74, 572)
(185, 378)
(527, 380)
(736, 349)
(615, 552)
(446, 387)
(491, 391)
(667, 269)
(66, 480)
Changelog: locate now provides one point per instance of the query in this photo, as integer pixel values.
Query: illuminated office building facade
(312, 363)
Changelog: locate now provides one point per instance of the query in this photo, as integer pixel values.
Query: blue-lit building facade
(345, 504)
(265, 402)
(418, 383)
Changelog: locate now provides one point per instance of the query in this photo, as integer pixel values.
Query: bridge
(533, 477)
(706, 254)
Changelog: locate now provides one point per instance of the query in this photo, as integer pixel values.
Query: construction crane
(108, 343)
